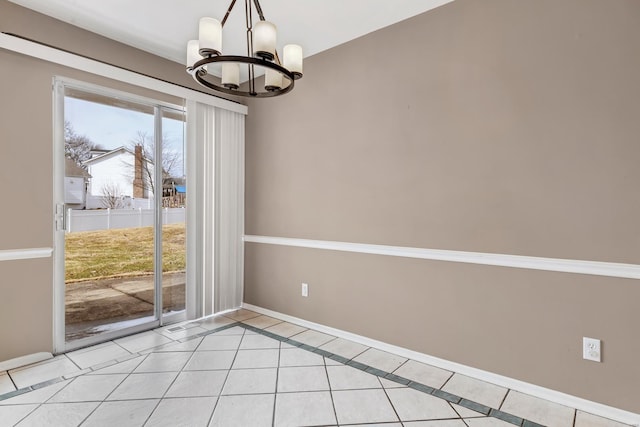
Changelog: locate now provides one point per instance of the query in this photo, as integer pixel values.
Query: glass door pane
(174, 202)
(110, 214)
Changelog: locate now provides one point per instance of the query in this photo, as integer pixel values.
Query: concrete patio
(95, 303)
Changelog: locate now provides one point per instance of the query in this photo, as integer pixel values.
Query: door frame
(59, 226)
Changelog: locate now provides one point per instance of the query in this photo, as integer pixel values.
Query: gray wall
(498, 126)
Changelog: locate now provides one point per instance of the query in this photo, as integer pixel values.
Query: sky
(112, 127)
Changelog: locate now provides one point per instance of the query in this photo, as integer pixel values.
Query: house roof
(109, 154)
(72, 169)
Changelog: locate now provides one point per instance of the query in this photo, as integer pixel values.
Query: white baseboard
(24, 360)
(511, 383)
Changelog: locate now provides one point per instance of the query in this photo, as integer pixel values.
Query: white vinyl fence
(106, 219)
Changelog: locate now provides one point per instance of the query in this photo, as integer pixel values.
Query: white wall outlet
(305, 290)
(591, 349)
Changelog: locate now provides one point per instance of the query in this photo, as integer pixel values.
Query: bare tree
(112, 196)
(76, 147)
(171, 160)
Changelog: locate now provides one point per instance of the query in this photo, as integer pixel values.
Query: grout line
(72, 361)
(465, 421)
(15, 387)
(504, 399)
(114, 341)
(448, 379)
(275, 394)
(326, 372)
(395, 411)
(401, 365)
(363, 351)
(166, 391)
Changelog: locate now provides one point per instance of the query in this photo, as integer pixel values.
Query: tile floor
(244, 369)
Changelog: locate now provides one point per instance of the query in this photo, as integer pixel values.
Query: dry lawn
(121, 253)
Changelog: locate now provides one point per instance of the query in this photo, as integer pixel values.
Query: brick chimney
(138, 176)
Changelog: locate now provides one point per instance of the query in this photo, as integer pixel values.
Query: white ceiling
(163, 27)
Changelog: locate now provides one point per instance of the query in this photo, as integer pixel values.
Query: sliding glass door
(121, 214)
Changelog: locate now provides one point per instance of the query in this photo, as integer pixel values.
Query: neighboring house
(121, 173)
(76, 180)
(174, 192)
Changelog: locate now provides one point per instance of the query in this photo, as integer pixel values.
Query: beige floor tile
(220, 342)
(250, 381)
(175, 412)
(304, 409)
(6, 385)
(95, 356)
(413, 405)
(242, 315)
(584, 419)
(297, 357)
(331, 362)
(50, 369)
(210, 360)
(235, 330)
(143, 341)
(172, 332)
(59, 414)
(312, 338)
(123, 413)
(538, 410)
(303, 378)
(190, 345)
(475, 390)
(40, 395)
(344, 348)
(246, 359)
(10, 415)
(424, 374)
(285, 329)
(262, 322)
(348, 378)
(252, 342)
(363, 406)
(214, 322)
(144, 386)
(88, 388)
(244, 410)
(164, 362)
(197, 384)
(466, 413)
(120, 368)
(390, 384)
(380, 360)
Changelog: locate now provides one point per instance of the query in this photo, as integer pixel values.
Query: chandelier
(214, 70)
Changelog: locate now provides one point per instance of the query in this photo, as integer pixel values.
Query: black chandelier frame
(265, 60)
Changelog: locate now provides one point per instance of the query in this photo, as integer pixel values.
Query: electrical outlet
(305, 290)
(591, 349)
